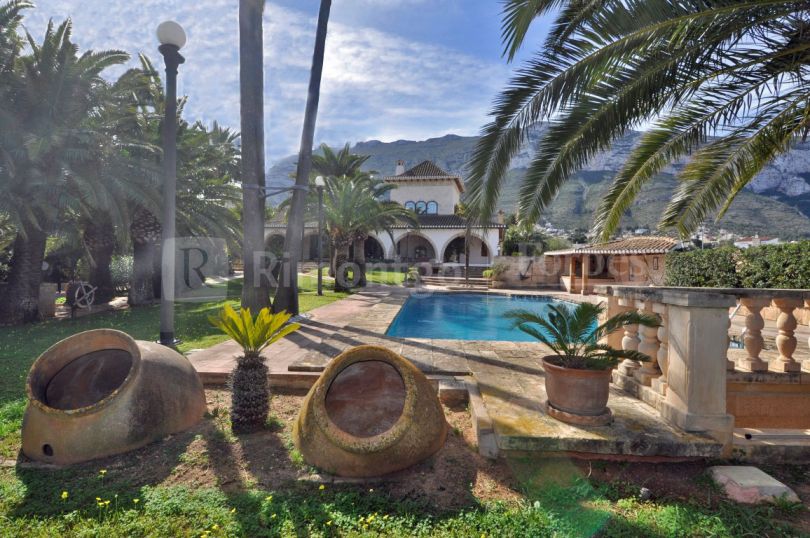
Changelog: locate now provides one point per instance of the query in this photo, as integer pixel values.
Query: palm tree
(50, 94)
(286, 297)
(344, 163)
(724, 81)
(256, 291)
(353, 209)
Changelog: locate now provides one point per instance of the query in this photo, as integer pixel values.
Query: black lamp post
(172, 38)
(319, 184)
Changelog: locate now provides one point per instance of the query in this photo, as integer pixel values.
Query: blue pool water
(465, 316)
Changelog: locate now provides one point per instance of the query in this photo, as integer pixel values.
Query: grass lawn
(379, 276)
(21, 345)
(208, 482)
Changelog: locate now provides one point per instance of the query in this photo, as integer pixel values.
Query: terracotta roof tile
(629, 245)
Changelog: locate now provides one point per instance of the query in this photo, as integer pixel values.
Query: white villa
(434, 195)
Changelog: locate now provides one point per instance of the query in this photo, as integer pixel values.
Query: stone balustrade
(685, 378)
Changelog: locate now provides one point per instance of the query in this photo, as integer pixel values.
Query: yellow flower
(136, 501)
(214, 526)
(329, 523)
(321, 487)
(102, 472)
(98, 499)
(64, 495)
(106, 502)
(233, 510)
(269, 498)
(273, 516)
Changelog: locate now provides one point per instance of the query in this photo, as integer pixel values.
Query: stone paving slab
(747, 484)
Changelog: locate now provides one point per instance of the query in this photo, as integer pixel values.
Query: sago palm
(249, 390)
(724, 81)
(574, 333)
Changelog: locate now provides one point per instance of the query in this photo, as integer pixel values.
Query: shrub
(766, 266)
(712, 268)
(776, 266)
(121, 270)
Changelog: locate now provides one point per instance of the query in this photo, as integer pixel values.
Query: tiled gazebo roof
(629, 245)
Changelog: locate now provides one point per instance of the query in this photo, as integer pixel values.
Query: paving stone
(748, 484)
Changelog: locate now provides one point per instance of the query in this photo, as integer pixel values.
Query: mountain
(777, 203)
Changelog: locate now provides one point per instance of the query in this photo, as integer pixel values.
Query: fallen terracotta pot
(100, 393)
(370, 413)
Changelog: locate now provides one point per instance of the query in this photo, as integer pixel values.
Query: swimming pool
(465, 316)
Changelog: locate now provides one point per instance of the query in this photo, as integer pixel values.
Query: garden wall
(536, 271)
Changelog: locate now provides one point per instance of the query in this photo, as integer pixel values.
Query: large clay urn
(577, 396)
(100, 393)
(370, 413)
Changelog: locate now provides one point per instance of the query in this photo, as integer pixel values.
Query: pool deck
(504, 380)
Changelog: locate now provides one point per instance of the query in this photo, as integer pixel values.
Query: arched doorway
(454, 252)
(373, 250)
(415, 248)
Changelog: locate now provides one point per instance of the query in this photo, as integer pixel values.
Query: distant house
(755, 241)
(631, 260)
(433, 195)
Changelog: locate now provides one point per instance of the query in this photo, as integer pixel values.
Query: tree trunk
(250, 400)
(141, 289)
(287, 291)
(157, 269)
(145, 232)
(360, 259)
(342, 266)
(256, 289)
(20, 300)
(99, 240)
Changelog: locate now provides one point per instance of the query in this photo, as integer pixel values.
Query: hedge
(767, 266)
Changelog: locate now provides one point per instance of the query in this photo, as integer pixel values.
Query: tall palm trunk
(342, 280)
(360, 259)
(256, 290)
(99, 239)
(20, 300)
(145, 231)
(286, 293)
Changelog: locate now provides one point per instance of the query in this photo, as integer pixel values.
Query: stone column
(786, 341)
(753, 333)
(586, 268)
(648, 345)
(659, 384)
(807, 362)
(572, 272)
(629, 341)
(730, 364)
(696, 375)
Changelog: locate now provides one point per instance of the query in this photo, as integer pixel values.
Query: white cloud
(375, 85)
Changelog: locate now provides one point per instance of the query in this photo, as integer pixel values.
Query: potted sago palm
(250, 399)
(577, 376)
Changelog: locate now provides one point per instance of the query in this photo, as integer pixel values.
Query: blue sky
(394, 69)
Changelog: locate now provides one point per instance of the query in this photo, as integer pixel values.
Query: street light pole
(319, 184)
(172, 38)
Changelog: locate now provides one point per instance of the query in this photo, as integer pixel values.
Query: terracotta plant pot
(370, 413)
(100, 393)
(577, 396)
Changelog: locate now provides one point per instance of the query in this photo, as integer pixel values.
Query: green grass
(392, 278)
(21, 345)
(32, 504)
